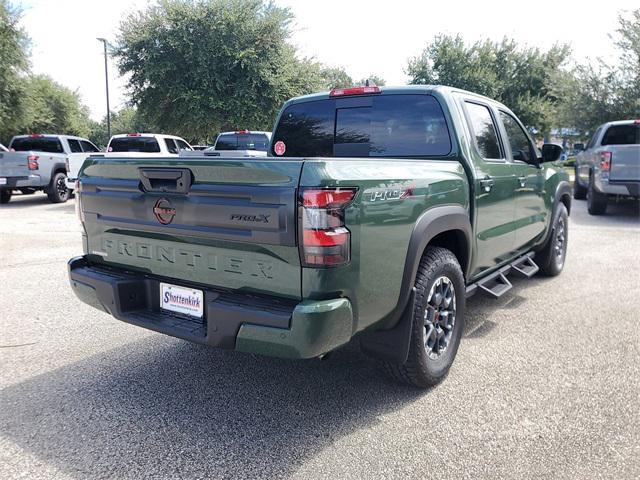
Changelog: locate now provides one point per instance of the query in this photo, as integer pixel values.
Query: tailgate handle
(166, 180)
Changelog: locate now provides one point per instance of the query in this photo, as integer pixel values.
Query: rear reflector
(326, 241)
(32, 162)
(605, 161)
(341, 92)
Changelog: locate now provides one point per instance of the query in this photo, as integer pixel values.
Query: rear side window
(74, 146)
(182, 145)
(242, 141)
(484, 130)
(134, 144)
(375, 126)
(88, 146)
(171, 145)
(622, 135)
(39, 144)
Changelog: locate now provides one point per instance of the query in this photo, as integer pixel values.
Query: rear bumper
(33, 181)
(625, 188)
(247, 323)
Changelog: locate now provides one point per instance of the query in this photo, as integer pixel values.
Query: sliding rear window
(134, 144)
(622, 135)
(242, 141)
(368, 126)
(37, 144)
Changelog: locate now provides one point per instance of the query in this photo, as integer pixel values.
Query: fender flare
(563, 189)
(393, 344)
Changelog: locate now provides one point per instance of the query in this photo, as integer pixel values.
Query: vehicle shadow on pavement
(165, 408)
(618, 214)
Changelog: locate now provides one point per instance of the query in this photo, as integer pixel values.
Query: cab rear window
(38, 144)
(242, 141)
(622, 135)
(370, 126)
(134, 144)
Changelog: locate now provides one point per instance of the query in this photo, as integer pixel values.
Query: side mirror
(551, 152)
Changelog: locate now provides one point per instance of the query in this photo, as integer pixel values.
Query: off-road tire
(552, 257)
(579, 192)
(5, 196)
(55, 191)
(420, 370)
(596, 201)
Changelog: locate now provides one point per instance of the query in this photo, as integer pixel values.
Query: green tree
(14, 65)
(373, 80)
(200, 67)
(593, 95)
(126, 120)
(336, 78)
(522, 78)
(53, 108)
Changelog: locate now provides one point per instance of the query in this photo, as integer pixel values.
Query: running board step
(496, 285)
(525, 267)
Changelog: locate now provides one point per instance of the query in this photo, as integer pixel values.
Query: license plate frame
(182, 300)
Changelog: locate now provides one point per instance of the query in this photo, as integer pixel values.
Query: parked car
(609, 165)
(39, 162)
(241, 143)
(277, 256)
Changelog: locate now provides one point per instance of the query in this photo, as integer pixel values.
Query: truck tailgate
(225, 223)
(13, 164)
(625, 163)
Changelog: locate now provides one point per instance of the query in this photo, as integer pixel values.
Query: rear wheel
(552, 257)
(438, 320)
(596, 201)
(579, 192)
(5, 196)
(58, 191)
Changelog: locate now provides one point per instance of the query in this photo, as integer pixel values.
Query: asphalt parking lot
(546, 382)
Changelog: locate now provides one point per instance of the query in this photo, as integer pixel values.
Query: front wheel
(58, 191)
(552, 257)
(438, 320)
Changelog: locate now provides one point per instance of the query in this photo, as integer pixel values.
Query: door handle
(486, 183)
(522, 181)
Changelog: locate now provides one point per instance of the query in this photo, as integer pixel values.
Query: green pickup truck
(376, 214)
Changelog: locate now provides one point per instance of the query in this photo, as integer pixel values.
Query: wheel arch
(446, 226)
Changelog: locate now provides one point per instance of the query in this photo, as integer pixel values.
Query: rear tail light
(243, 132)
(326, 241)
(77, 192)
(340, 92)
(605, 161)
(33, 162)
(134, 134)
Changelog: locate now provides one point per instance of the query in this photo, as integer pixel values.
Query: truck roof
(391, 90)
(68, 137)
(250, 132)
(621, 122)
(154, 135)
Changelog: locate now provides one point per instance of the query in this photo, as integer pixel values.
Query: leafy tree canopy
(200, 67)
(521, 78)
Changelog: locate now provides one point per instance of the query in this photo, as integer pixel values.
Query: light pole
(106, 79)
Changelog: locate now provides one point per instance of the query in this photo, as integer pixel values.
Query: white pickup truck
(137, 145)
(39, 162)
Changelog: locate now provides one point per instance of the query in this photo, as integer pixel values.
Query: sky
(364, 37)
